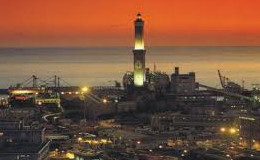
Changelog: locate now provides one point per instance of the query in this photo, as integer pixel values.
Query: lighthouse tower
(139, 52)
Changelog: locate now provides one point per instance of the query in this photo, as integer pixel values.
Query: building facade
(183, 83)
(19, 142)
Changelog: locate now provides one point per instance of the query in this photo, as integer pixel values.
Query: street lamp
(79, 139)
(104, 100)
(232, 130)
(84, 89)
(222, 129)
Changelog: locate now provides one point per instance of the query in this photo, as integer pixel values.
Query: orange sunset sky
(110, 22)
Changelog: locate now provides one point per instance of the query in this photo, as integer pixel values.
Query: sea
(101, 66)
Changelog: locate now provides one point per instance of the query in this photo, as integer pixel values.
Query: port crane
(42, 91)
(229, 85)
(34, 85)
(232, 89)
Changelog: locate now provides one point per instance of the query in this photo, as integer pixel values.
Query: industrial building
(164, 122)
(20, 142)
(183, 83)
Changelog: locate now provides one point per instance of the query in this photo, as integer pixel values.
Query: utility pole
(34, 81)
(55, 81)
(85, 106)
(58, 82)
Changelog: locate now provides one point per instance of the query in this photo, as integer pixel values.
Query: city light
(23, 91)
(84, 89)
(70, 155)
(256, 145)
(222, 129)
(104, 100)
(232, 130)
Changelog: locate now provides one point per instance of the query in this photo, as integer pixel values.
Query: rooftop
(23, 148)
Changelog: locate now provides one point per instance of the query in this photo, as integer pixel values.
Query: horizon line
(114, 46)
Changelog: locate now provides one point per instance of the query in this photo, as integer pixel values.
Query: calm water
(100, 66)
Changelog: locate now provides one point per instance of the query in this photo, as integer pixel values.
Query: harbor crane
(234, 90)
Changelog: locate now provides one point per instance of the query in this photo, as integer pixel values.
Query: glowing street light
(70, 155)
(84, 89)
(83, 97)
(104, 100)
(79, 139)
(232, 130)
(222, 129)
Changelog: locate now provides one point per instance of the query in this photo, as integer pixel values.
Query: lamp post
(85, 93)
(84, 110)
(84, 90)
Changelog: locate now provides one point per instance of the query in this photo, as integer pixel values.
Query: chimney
(176, 70)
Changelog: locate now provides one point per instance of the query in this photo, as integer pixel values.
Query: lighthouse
(139, 52)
